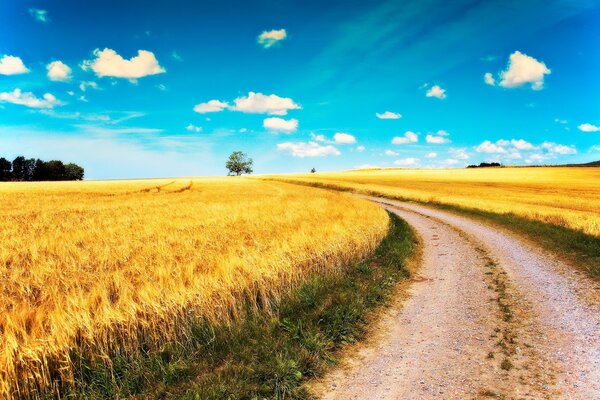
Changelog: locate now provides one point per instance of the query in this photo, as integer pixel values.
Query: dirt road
(489, 316)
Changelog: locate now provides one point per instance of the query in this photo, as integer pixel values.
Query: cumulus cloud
(270, 38)
(28, 99)
(307, 149)
(344, 138)
(360, 148)
(108, 63)
(556, 148)
(490, 148)
(409, 137)
(460, 153)
(441, 138)
(390, 153)
(258, 103)
(522, 70)
(318, 138)
(406, 162)
(388, 115)
(11, 65)
(488, 78)
(193, 128)
(58, 71)
(211, 106)
(39, 15)
(433, 154)
(275, 124)
(588, 128)
(437, 92)
(522, 144)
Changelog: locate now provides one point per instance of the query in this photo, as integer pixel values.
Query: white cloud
(388, 115)
(390, 153)
(522, 144)
(560, 121)
(595, 148)
(11, 65)
(344, 138)
(406, 162)
(28, 99)
(523, 69)
(433, 154)
(84, 85)
(275, 124)
(490, 148)
(367, 166)
(109, 63)
(588, 128)
(439, 139)
(58, 71)
(310, 149)
(318, 138)
(561, 149)
(268, 39)
(488, 78)
(409, 137)
(436, 91)
(258, 103)
(450, 162)
(193, 128)
(210, 106)
(460, 153)
(39, 15)
(360, 148)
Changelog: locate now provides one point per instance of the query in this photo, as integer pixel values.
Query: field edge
(576, 248)
(273, 353)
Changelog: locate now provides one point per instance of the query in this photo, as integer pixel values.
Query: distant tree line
(31, 169)
(485, 165)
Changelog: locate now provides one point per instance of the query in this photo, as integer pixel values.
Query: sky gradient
(154, 89)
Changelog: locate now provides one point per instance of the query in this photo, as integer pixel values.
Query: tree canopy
(239, 163)
(30, 169)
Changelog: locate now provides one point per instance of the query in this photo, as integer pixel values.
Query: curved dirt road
(488, 316)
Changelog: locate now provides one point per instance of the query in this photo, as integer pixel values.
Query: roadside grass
(578, 248)
(268, 353)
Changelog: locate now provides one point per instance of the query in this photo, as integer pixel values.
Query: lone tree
(312, 171)
(239, 163)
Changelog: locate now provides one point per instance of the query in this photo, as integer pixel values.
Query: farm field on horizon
(565, 196)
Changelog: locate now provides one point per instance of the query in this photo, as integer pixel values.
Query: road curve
(488, 316)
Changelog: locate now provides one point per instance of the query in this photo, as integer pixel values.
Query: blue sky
(152, 89)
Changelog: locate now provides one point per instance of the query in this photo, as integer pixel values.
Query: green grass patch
(265, 355)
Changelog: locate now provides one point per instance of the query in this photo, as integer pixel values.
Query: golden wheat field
(566, 196)
(90, 267)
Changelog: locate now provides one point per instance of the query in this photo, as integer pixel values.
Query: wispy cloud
(39, 15)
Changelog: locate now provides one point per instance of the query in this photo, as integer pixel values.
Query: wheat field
(566, 196)
(94, 268)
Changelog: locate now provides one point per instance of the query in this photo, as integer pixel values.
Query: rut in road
(488, 315)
